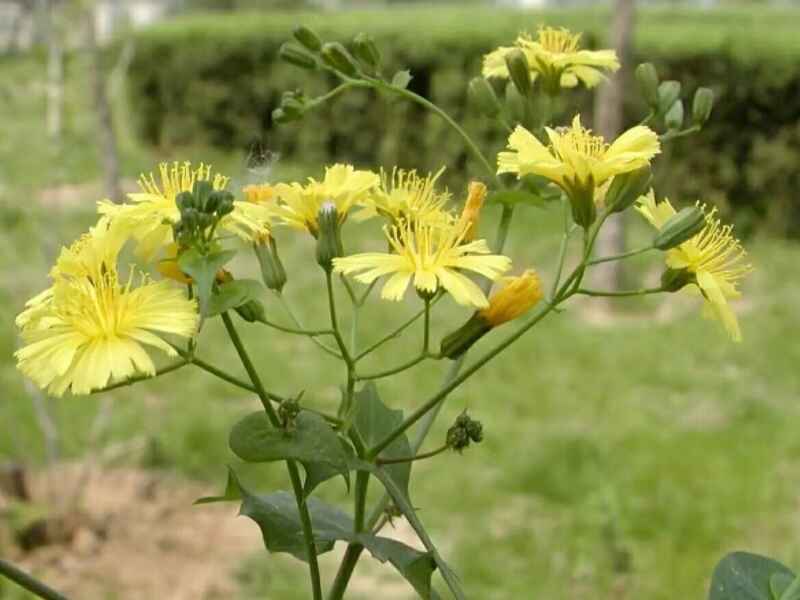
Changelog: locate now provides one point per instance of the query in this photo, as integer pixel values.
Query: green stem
(367, 292)
(674, 134)
(345, 354)
(621, 293)
(28, 582)
(332, 94)
(349, 289)
(422, 456)
(394, 370)
(137, 378)
(597, 261)
(306, 332)
(562, 250)
(294, 473)
(389, 336)
(296, 321)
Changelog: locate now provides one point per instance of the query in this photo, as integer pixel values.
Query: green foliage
(218, 79)
(202, 268)
(745, 576)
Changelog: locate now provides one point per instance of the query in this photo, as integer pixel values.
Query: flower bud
(683, 225)
(336, 56)
(464, 431)
(297, 56)
(701, 105)
(293, 108)
(280, 117)
(288, 410)
(184, 201)
(668, 92)
(476, 194)
(329, 240)
(647, 80)
(515, 103)
(272, 272)
(581, 199)
(519, 71)
(674, 117)
(251, 311)
(673, 280)
(459, 341)
(481, 94)
(517, 296)
(366, 51)
(626, 188)
(307, 37)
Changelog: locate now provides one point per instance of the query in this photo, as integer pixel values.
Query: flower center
(577, 140)
(558, 41)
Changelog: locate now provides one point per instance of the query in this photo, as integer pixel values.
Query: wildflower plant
(94, 329)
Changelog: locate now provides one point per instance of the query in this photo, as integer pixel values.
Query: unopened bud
(297, 56)
(470, 216)
(626, 188)
(517, 296)
(668, 92)
(682, 226)
(336, 56)
(515, 103)
(482, 96)
(366, 51)
(519, 71)
(251, 311)
(674, 117)
(702, 105)
(329, 240)
(647, 80)
(272, 272)
(293, 108)
(307, 37)
(673, 280)
(279, 116)
(464, 431)
(184, 201)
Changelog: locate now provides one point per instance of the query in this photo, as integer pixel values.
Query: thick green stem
(294, 473)
(33, 585)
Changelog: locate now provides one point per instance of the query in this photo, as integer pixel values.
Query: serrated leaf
(401, 79)
(202, 268)
(745, 576)
(402, 502)
(233, 294)
(374, 421)
(312, 442)
(417, 567)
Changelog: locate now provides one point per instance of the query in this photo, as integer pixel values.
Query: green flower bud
(329, 240)
(297, 56)
(674, 117)
(647, 80)
(459, 341)
(481, 94)
(280, 116)
(251, 311)
(668, 92)
(307, 37)
(673, 280)
(366, 51)
(701, 105)
(515, 103)
(581, 199)
(519, 71)
(293, 108)
(683, 225)
(184, 201)
(464, 431)
(626, 188)
(272, 272)
(288, 410)
(336, 56)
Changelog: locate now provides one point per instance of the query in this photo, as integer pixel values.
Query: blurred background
(628, 446)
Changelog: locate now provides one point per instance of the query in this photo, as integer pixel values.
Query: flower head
(714, 259)
(91, 329)
(470, 215)
(517, 296)
(555, 55)
(261, 193)
(434, 256)
(343, 185)
(406, 196)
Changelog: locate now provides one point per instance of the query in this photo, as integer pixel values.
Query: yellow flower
(259, 193)
(91, 329)
(342, 185)
(407, 196)
(576, 160)
(517, 296)
(470, 216)
(433, 255)
(555, 56)
(714, 258)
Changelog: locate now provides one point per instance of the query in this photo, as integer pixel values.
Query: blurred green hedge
(213, 79)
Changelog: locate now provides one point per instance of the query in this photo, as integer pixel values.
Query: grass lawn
(622, 456)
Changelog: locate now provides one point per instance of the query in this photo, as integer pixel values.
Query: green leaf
(202, 268)
(401, 79)
(779, 583)
(278, 519)
(402, 502)
(234, 294)
(745, 576)
(374, 421)
(312, 442)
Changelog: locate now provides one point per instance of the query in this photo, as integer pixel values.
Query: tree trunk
(105, 123)
(608, 123)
